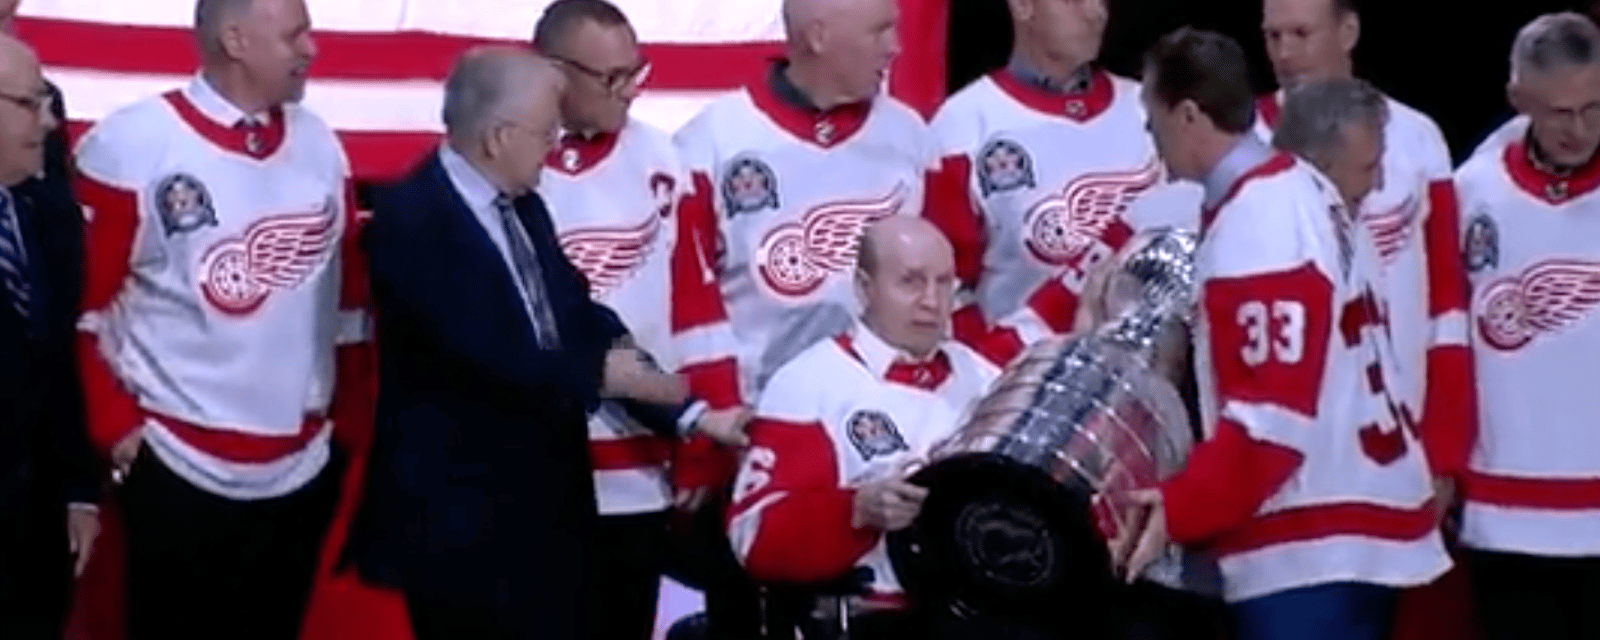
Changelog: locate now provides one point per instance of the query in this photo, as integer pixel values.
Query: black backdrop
(1444, 57)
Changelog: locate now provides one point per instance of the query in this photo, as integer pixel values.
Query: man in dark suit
(479, 499)
(45, 460)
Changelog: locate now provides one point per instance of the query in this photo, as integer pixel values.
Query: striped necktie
(14, 258)
(531, 275)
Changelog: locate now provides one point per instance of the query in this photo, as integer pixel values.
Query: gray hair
(210, 16)
(481, 84)
(1554, 40)
(1316, 114)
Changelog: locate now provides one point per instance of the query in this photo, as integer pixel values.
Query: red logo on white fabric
(275, 253)
(1064, 226)
(795, 258)
(609, 255)
(1390, 229)
(1547, 297)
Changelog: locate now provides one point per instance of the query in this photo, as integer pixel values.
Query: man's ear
(1517, 97)
(1349, 32)
(234, 40)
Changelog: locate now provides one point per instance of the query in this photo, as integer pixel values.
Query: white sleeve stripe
(1450, 328)
(742, 528)
(1270, 422)
(703, 344)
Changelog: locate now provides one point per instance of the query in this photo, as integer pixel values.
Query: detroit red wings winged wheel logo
(796, 257)
(238, 274)
(1061, 228)
(1391, 228)
(607, 256)
(1547, 297)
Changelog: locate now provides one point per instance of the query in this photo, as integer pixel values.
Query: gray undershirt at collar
(1248, 153)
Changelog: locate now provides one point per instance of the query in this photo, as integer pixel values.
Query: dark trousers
(701, 557)
(1155, 612)
(35, 568)
(1341, 611)
(204, 566)
(1524, 597)
(629, 557)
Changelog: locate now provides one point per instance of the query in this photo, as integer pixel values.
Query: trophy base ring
(1002, 539)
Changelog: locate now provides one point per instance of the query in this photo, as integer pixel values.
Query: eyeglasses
(615, 80)
(39, 103)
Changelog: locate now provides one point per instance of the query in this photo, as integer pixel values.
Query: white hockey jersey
(1413, 221)
(215, 254)
(1531, 248)
(1293, 362)
(782, 195)
(845, 411)
(614, 201)
(1032, 191)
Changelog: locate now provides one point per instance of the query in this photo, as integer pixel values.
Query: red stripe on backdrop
(375, 155)
(391, 55)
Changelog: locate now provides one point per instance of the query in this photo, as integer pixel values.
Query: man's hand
(1444, 501)
(1133, 553)
(889, 503)
(124, 453)
(83, 528)
(726, 426)
(629, 374)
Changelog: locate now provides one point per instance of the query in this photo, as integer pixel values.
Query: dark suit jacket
(45, 458)
(478, 488)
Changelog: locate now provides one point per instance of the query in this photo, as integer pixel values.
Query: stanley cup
(1016, 519)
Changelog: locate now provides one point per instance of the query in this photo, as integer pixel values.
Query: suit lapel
(478, 256)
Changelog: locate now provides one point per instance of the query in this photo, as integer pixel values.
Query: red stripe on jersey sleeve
(1447, 276)
(1450, 408)
(1269, 338)
(701, 463)
(113, 214)
(788, 493)
(353, 293)
(949, 206)
(1224, 483)
(697, 305)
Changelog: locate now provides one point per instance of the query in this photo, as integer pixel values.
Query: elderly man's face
(522, 139)
(1563, 105)
(1356, 165)
(909, 296)
(25, 119)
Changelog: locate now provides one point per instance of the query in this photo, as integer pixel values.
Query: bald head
(839, 51)
(23, 127)
(906, 280)
(894, 238)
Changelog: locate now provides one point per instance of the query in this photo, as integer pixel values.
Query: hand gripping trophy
(1021, 503)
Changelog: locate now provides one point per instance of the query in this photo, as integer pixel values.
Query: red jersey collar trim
(1543, 185)
(1278, 163)
(827, 128)
(893, 365)
(254, 142)
(1269, 106)
(1078, 107)
(576, 154)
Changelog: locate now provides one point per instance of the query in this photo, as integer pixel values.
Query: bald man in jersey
(841, 426)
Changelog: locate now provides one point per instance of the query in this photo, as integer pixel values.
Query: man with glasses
(1531, 206)
(613, 185)
(44, 453)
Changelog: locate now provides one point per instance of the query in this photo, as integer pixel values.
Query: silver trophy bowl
(1021, 498)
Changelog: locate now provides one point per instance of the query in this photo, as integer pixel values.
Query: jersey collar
(209, 114)
(1541, 181)
(575, 153)
(1093, 99)
(891, 364)
(789, 108)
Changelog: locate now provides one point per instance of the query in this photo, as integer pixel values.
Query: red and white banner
(378, 75)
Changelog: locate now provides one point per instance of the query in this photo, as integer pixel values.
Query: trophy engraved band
(1012, 524)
